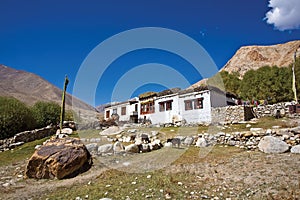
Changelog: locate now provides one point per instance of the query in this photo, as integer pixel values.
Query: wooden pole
(294, 79)
(62, 112)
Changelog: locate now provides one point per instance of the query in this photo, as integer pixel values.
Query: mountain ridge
(256, 56)
(31, 88)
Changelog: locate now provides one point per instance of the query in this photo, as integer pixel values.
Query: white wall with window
(166, 110)
(195, 107)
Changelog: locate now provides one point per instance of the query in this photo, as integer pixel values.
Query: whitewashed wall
(196, 115)
(167, 116)
(119, 110)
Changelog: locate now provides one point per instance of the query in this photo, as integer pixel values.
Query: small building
(171, 106)
(123, 111)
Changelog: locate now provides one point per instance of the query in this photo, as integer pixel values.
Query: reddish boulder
(59, 158)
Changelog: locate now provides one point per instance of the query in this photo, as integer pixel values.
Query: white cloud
(284, 15)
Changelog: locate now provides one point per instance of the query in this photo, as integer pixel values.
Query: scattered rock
(106, 149)
(92, 147)
(67, 131)
(255, 129)
(113, 130)
(60, 158)
(118, 147)
(270, 144)
(295, 149)
(132, 148)
(201, 142)
(188, 141)
(295, 130)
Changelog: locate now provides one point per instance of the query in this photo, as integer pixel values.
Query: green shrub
(15, 117)
(46, 113)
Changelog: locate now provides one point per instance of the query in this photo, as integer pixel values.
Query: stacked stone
(250, 139)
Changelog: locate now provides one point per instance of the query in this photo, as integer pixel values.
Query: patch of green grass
(214, 153)
(120, 185)
(92, 133)
(19, 153)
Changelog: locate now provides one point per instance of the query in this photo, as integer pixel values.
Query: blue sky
(53, 38)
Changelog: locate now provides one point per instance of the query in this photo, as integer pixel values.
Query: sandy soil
(241, 175)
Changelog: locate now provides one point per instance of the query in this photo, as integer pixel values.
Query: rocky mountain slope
(30, 88)
(254, 57)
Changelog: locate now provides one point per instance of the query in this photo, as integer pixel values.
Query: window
(169, 105)
(166, 105)
(123, 110)
(114, 111)
(193, 104)
(199, 103)
(147, 108)
(188, 104)
(161, 106)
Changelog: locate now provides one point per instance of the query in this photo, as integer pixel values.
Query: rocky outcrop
(254, 57)
(59, 158)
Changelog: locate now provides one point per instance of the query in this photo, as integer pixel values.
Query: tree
(271, 83)
(15, 117)
(46, 113)
(231, 82)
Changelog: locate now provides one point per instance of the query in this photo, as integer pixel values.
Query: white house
(124, 111)
(171, 106)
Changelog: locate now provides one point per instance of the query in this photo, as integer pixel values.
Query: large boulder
(270, 144)
(59, 158)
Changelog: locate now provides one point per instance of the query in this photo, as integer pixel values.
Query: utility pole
(62, 112)
(294, 78)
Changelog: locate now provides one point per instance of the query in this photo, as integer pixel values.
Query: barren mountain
(254, 57)
(30, 88)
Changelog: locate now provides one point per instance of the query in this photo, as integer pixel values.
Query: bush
(46, 113)
(15, 117)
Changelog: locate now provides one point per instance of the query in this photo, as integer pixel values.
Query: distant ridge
(30, 88)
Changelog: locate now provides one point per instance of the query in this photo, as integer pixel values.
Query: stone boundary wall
(26, 136)
(231, 114)
(235, 114)
(271, 110)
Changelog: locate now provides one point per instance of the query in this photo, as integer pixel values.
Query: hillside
(30, 88)
(254, 57)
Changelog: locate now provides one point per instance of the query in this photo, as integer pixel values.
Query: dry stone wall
(231, 114)
(26, 136)
(236, 114)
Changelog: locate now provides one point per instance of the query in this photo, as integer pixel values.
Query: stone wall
(235, 114)
(271, 110)
(26, 136)
(231, 114)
